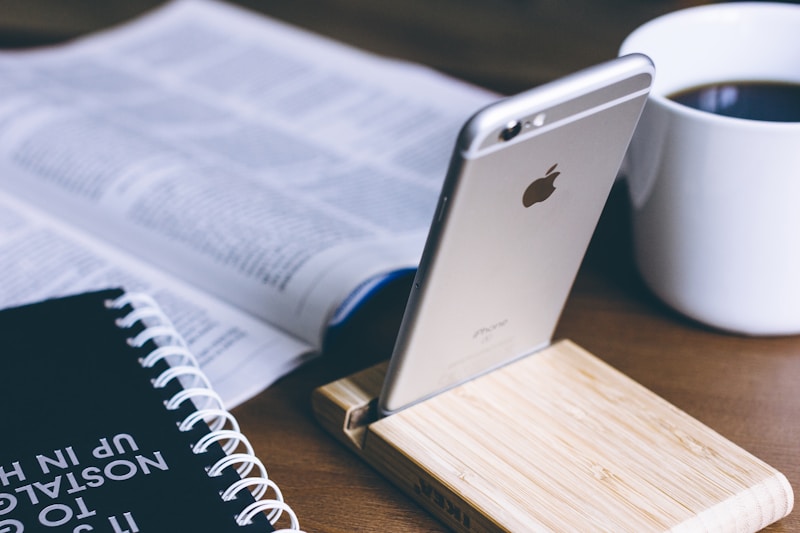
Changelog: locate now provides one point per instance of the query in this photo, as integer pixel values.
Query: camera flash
(538, 120)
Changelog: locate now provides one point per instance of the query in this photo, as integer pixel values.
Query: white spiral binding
(209, 408)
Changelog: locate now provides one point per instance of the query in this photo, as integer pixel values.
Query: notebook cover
(87, 442)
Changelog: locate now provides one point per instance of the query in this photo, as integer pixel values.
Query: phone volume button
(442, 206)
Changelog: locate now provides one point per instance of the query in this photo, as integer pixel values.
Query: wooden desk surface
(745, 388)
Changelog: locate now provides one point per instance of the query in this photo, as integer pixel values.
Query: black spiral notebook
(109, 426)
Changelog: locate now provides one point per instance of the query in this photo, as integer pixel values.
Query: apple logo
(541, 189)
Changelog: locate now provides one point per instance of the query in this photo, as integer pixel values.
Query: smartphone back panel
(526, 186)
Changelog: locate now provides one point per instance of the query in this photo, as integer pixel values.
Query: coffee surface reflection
(753, 100)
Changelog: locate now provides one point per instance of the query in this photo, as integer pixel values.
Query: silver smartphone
(527, 182)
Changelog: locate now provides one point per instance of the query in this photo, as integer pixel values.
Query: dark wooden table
(745, 388)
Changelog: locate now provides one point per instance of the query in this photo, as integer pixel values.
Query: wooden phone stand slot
(557, 441)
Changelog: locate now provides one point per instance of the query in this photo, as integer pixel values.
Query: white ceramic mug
(716, 200)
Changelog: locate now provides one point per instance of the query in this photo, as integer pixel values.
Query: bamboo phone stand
(556, 441)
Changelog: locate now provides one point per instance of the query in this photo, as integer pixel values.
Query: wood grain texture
(560, 441)
(743, 388)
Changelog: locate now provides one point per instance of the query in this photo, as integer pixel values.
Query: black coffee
(756, 100)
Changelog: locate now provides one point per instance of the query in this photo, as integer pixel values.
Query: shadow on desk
(744, 388)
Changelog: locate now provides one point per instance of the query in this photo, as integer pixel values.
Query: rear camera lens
(511, 130)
